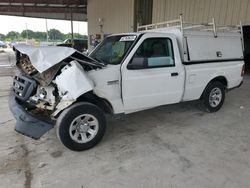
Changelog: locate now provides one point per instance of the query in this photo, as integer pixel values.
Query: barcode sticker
(127, 38)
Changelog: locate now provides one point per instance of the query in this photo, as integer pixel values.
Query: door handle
(174, 74)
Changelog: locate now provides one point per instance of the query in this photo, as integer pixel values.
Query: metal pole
(184, 41)
(72, 27)
(138, 25)
(47, 33)
(242, 36)
(27, 35)
(181, 23)
(214, 28)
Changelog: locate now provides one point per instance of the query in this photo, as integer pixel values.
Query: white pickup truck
(126, 73)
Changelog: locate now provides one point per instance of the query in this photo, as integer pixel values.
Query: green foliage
(54, 36)
(12, 35)
(76, 36)
(41, 36)
(28, 33)
(2, 37)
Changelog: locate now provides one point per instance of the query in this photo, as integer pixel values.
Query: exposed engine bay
(52, 87)
(26, 65)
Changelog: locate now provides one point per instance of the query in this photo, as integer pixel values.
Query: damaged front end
(48, 80)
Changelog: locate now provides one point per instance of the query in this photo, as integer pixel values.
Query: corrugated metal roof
(58, 9)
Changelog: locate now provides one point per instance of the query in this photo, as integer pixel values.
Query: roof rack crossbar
(179, 23)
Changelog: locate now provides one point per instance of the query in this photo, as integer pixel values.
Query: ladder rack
(179, 23)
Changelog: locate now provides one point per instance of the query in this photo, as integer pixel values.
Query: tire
(213, 97)
(81, 126)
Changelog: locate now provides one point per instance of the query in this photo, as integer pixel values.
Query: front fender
(73, 82)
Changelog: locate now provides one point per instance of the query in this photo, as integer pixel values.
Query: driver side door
(152, 74)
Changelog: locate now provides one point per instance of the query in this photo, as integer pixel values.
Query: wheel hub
(84, 128)
(215, 97)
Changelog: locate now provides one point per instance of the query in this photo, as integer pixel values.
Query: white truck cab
(126, 73)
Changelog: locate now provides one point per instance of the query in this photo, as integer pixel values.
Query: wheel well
(220, 79)
(100, 102)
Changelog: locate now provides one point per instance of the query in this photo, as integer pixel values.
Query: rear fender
(221, 79)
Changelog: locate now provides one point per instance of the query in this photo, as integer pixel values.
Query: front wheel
(213, 97)
(81, 126)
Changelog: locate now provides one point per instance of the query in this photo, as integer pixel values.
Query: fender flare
(221, 79)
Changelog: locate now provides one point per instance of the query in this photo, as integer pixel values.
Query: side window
(154, 52)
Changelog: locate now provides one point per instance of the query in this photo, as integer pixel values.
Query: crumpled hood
(42, 58)
(45, 57)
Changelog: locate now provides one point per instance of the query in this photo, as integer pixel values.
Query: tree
(79, 36)
(76, 36)
(2, 37)
(27, 33)
(13, 35)
(55, 35)
(42, 36)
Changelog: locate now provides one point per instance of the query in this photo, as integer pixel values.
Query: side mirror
(138, 63)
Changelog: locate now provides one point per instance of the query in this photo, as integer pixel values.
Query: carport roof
(55, 9)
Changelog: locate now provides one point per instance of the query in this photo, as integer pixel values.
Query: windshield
(113, 49)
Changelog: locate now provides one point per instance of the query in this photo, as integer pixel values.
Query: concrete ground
(176, 146)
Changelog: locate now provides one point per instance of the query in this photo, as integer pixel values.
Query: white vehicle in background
(126, 73)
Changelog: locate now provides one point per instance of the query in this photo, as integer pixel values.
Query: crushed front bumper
(26, 123)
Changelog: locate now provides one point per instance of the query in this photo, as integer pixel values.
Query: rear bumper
(240, 84)
(26, 123)
(236, 86)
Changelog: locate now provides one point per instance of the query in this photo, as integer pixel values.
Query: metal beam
(62, 2)
(34, 9)
(57, 16)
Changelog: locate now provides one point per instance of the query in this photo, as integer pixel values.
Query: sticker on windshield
(127, 38)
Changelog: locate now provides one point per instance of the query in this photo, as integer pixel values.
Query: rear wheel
(213, 97)
(81, 126)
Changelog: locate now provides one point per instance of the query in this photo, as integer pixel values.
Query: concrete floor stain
(56, 154)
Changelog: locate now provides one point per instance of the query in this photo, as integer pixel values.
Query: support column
(72, 27)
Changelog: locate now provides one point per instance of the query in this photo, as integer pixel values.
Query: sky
(16, 23)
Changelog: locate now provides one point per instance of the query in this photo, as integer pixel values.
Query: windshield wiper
(100, 60)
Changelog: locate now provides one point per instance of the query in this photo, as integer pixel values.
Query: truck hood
(45, 57)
